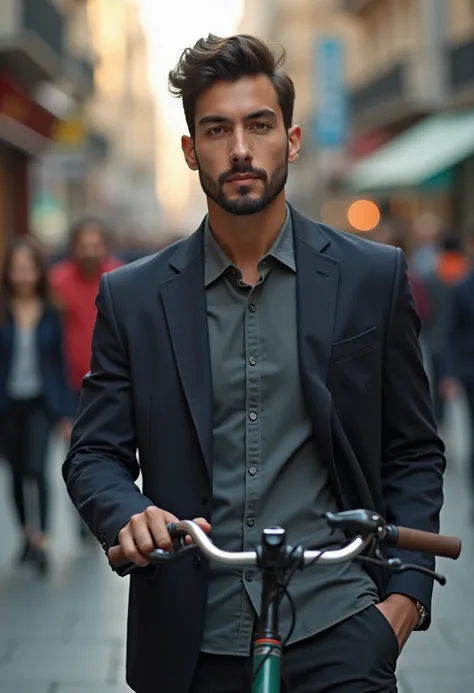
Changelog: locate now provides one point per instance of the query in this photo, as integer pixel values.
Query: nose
(240, 152)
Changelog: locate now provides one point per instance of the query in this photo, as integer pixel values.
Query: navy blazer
(460, 338)
(150, 388)
(49, 340)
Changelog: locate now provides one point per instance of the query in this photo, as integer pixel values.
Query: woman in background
(34, 395)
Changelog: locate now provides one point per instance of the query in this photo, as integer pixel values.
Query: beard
(245, 203)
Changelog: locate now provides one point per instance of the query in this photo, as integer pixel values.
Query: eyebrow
(262, 113)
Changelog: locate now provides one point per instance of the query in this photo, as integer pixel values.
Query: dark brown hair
(215, 59)
(43, 288)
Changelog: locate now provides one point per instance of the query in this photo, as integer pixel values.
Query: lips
(242, 176)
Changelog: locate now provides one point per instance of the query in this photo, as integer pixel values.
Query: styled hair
(215, 59)
(43, 288)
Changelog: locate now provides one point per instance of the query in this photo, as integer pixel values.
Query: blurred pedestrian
(459, 355)
(427, 233)
(75, 282)
(449, 267)
(34, 395)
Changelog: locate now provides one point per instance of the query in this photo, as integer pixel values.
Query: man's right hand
(147, 531)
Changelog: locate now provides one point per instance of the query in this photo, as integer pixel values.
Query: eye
(261, 127)
(215, 131)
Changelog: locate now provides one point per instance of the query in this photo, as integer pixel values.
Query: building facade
(34, 58)
(411, 77)
(123, 106)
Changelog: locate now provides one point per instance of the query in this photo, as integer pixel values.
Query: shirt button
(250, 521)
(249, 576)
(252, 307)
(252, 361)
(252, 416)
(252, 470)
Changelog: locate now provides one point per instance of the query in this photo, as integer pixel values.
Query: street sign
(331, 117)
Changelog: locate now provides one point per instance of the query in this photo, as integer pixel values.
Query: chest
(253, 340)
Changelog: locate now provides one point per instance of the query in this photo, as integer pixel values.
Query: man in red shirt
(75, 283)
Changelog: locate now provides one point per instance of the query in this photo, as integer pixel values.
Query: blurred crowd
(47, 315)
(441, 273)
(46, 323)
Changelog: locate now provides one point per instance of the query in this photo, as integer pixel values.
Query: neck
(246, 239)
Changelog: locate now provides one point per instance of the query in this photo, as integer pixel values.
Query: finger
(142, 534)
(129, 547)
(202, 524)
(157, 523)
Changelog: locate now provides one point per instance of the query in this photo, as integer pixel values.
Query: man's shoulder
(356, 252)
(153, 268)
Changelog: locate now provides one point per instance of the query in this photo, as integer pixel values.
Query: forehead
(235, 99)
(23, 254)
(90, 232)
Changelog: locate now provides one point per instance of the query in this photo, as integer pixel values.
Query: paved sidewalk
(67, 635)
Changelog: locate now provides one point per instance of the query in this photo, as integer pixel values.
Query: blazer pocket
(354, 345)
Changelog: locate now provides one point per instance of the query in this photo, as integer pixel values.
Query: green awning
(419, 156)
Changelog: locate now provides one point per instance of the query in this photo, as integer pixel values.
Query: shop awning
(421, 154)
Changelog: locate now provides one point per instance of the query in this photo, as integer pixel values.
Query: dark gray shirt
(266, 469)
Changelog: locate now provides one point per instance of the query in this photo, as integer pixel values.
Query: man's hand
(402, 614)
(147, 531)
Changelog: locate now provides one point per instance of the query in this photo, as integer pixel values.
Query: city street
(67, 635)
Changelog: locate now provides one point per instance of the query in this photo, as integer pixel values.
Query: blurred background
(385, 98)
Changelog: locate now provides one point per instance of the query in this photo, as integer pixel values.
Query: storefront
(25, 131)
(420, 170)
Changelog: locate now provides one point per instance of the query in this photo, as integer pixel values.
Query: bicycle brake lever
(398, 567)
(158, 556)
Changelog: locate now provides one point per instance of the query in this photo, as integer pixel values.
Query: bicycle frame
(267, 644)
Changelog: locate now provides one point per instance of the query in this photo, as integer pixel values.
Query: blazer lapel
(184, 302)
(317, 287)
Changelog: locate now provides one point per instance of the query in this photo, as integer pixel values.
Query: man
(75, 282)
(268, 370)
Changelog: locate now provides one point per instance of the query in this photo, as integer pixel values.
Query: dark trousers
(26, 428)
(358, 655)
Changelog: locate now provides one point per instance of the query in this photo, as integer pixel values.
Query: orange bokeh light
(363, 215)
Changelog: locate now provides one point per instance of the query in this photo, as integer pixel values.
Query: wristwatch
(422, 612)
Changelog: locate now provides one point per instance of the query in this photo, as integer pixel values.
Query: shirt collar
(217, 262)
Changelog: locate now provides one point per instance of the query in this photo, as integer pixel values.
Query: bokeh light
(363, 215)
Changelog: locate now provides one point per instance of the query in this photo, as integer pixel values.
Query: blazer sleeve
(413, 459)
(101, 466)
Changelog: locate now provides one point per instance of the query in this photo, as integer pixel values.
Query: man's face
(89, 248)
(241, 147)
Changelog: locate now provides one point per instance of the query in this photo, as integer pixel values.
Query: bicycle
(278, 561)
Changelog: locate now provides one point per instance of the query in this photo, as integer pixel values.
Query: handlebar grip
(424, 542)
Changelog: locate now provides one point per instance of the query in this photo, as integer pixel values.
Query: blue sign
(331, 117)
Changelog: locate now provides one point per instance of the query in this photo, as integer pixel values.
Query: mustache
(241, 170)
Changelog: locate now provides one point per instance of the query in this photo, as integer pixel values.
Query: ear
(187, 145)
(294, 143)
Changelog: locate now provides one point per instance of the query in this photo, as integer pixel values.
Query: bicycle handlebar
(368, 525)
